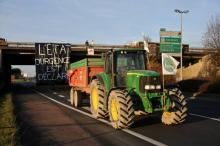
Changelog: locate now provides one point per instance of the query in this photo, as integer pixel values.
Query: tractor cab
(119, 62)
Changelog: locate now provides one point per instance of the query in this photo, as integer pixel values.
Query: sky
(104, 21)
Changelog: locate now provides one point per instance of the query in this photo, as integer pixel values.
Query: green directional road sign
(170, 48)
(170, 42)
(170, 39)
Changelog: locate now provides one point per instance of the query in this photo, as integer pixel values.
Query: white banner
(169, 64)
(146, 44)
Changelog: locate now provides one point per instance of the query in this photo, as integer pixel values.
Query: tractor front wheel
(121, 111)
(178, 112)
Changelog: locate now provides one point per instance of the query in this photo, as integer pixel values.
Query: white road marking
(206, 117)
(140, 136)
(55, 93)
(61, 96)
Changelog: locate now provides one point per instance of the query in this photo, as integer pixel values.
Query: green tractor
(126, 89)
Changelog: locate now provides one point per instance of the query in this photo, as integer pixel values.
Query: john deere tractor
(126, 89)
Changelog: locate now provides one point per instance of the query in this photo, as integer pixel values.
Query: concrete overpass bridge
(23, 53)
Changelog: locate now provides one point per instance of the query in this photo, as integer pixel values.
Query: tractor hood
(137, 79)
(139, 73)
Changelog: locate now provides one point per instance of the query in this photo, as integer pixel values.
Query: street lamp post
(181, 44)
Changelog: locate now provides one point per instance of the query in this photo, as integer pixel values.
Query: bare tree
(211, 40)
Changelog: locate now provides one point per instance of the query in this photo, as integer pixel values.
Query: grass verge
(8, 126)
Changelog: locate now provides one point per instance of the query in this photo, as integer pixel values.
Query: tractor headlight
(147, 87)
(158, 87)
(152, 87)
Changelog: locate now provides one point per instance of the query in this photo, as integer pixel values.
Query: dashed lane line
(206, 117)
(61, 96)
(140, 136)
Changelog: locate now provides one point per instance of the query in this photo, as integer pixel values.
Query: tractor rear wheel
(75, 98)
(121, 111)
(98, 104)
(179, 110)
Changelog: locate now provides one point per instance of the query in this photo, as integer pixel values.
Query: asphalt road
(202, 127)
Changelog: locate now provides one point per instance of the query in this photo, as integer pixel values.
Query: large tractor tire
(75, 98)
(121, 111)
(179, 110)
(98, 103)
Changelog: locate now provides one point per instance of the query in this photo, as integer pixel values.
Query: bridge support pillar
(5, 70)
(0, 59)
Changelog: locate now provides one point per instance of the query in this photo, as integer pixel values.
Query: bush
(8, 126)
